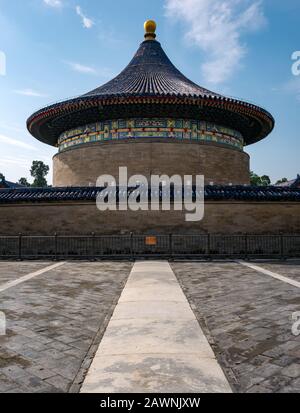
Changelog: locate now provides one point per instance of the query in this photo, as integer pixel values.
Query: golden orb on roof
(150, 27)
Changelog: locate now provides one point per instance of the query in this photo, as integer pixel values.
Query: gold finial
(150, 27)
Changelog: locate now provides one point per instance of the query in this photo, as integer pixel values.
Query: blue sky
(57, 49)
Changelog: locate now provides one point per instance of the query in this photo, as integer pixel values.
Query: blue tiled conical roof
(151, 72)
(150, 86)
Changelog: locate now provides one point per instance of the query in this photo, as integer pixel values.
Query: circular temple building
(153, 120)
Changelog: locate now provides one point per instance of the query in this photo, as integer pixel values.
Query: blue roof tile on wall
(216, 192)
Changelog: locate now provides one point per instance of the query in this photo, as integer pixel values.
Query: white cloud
(14, 161)
(103, 72)
(10, 127)
(53, 3)
(78, 67)
(109, 36)
(29, 92)
(292, 87)
(216, 27)
(14, 142)
(86, 21)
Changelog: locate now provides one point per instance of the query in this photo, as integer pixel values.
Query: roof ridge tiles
(216, 192)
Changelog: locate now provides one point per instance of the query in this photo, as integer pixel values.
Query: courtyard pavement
(57, 316)
(53, 321)
(247, 318)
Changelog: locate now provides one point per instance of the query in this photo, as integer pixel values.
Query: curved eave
(48, 123)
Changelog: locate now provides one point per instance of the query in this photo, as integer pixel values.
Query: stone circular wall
(81, 166)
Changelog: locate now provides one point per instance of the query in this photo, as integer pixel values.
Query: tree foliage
(281, 181)
(24, 182)
(39, 171)
(257, 180)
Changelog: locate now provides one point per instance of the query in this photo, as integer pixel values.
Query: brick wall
(82, 166)
(83, 218)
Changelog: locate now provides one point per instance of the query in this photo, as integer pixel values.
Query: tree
(254, 179)
(2, 177)
(39, 171)
(24, 182)
(281, 181)
(257, 180)
(265, 180)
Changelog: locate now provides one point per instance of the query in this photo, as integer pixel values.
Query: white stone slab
(151, 373)
(153, 342)
(152, 293)
(153, 310)
(147, 336)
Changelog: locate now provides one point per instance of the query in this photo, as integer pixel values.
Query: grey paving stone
(248, 317)
(288, 389)
(276, 383)
(268, 370)
(292, 371)
(59, 382)
(53, 320)
(40, 372)
(284, 360)
(259, 389)
(13, 372)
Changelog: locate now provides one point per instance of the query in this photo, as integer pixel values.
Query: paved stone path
(247, 317)
(24, 278)
(273, 274)
(12, 270)
(290, 269)
(53, 320)
(153, 342)
(56, 320)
